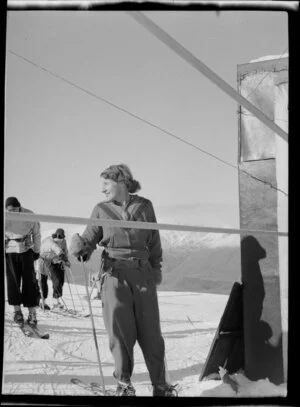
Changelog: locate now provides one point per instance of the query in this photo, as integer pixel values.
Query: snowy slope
(188, 320)
(199, 214)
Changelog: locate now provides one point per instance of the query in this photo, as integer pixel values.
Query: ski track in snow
(45, 367)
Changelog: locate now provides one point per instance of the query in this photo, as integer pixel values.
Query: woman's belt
(130, 262)
(108, 261)
(18, 239)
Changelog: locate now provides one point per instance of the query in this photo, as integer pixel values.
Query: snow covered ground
(189, 321)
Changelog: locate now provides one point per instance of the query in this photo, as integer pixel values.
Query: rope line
(24, 217)
(143, 120)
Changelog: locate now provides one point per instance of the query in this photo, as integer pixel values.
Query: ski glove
(64, 259)
(35, 255)
(157, 276)
(79, 248)
(84, 257)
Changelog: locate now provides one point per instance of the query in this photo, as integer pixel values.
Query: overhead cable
(63, 79)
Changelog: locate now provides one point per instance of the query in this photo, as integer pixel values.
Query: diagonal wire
(140, 119)
(118, 107)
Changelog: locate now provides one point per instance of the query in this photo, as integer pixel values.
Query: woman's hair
(12, 201)
(121, 173)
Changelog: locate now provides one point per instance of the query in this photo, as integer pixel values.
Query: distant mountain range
(200, 262)
(200, 214)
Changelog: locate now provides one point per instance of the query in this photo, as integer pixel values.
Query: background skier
(131, 269)
(22, 247)
(52, 262)
(96, 282)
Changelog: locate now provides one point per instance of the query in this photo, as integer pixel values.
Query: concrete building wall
(263, 154)
(281, 119)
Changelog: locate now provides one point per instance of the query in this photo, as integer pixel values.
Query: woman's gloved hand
(79, 248)
(35, 255)
(157, 276)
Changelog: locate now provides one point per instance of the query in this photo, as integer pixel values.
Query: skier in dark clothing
(22, 247)
(131, 270)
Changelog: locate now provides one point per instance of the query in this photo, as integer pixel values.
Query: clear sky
(58, 139)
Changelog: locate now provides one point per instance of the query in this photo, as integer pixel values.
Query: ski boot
(166, 390)
(18, 317)
(32, 320)
(125, 389)
(59, 305)
(44, 305)
(97, 297)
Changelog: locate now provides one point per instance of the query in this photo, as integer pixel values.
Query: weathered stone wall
(263, 154)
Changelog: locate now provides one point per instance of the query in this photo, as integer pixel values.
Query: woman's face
(11, 208)
(111, 189)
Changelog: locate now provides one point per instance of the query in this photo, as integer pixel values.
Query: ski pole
(168, 378)
(41, 291)
(93, 325)
(94, 285)
(64, 303)
(73, 281)
(66, 274)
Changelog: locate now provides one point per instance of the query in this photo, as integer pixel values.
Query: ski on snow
(92, 387)
(39, 333)
(26, 330)
(32, 332)
(95, 388)
(69, 313)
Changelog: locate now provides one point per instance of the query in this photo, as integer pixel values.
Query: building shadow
(263, 348)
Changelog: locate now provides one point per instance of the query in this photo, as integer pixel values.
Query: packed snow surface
(188, 320)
